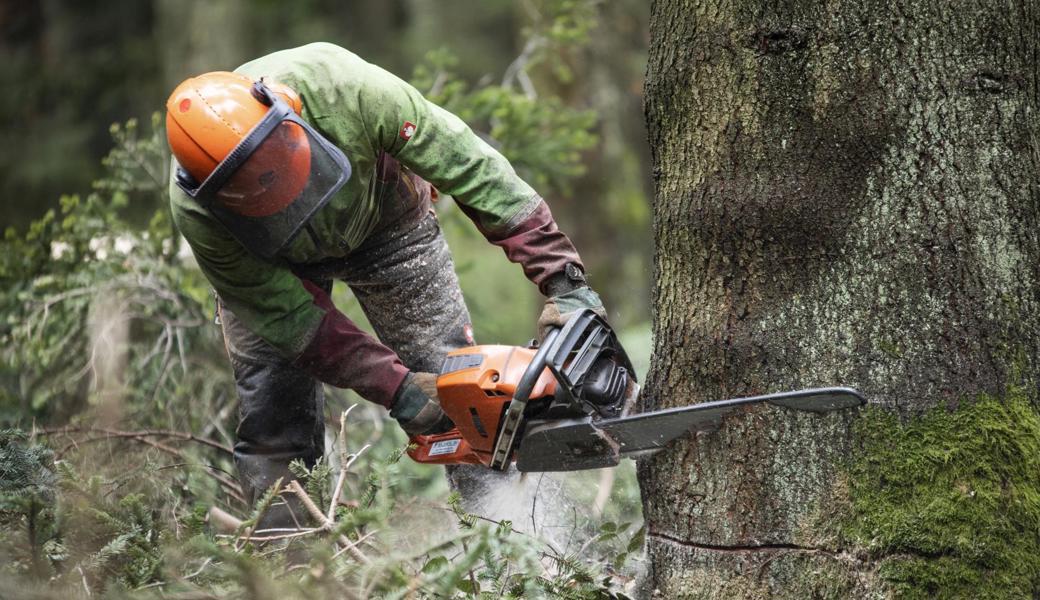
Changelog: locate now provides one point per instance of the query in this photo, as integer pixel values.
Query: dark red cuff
(536, 244)
(343, 355)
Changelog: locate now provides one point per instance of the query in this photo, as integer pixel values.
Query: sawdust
(536, 504)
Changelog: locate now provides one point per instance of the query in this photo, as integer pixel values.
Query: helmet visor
(271, 184)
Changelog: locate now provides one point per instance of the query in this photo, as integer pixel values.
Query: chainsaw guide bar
(588, 443)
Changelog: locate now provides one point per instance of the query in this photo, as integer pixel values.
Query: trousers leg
(280, 418)
(404, 278)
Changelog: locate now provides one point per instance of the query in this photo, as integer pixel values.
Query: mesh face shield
(273, 181)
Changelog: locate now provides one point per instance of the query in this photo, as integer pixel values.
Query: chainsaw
(566, 405)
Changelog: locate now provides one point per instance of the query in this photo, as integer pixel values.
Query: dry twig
(327, 520)
(109, 433)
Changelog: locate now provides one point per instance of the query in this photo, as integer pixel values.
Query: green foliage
(26, 471)
(316, 481)
(951, 500)
(540, 135)
(99, 311)
(27, 491)
(557, 27)
(55, 523)
(132, 556)
(108, 532)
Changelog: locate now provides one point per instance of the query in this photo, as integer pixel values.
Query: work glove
(561, 307)
(416, 407)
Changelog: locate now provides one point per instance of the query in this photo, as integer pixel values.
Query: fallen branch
(224, 521)
(328, 521)
(294, 487)
(343, 464)
(327, 524)
(227, 484)
(116, 433)
(268, 538)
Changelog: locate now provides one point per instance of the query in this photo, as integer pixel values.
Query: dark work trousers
(403, 276)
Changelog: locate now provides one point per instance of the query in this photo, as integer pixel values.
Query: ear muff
(287, 93)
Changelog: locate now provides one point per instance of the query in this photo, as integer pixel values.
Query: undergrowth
(142, 532)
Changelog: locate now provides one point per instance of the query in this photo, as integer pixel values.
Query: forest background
(115, 398)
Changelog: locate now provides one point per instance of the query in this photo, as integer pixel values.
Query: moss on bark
(949, 502)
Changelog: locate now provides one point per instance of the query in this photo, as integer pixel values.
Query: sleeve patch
(407, 131)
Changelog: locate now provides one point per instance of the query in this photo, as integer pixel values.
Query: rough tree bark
(848, 192)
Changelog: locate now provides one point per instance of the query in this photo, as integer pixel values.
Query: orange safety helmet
(209, 115)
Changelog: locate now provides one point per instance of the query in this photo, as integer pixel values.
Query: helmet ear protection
(287, 94)
(277, 175)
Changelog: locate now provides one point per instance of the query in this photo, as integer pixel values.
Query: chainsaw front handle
(538, 364)
(514, 414)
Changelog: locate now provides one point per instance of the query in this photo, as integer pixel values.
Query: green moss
(950, 502)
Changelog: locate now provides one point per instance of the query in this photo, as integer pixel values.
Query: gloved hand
(417, 408)
(560, 308)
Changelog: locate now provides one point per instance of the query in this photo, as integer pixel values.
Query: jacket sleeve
(296, 317)
(441, 149)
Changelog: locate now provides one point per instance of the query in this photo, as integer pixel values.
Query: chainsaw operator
(309, 165)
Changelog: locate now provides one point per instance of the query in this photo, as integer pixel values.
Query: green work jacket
(363, 109)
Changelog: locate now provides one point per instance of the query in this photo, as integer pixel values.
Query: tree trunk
(197, 37)
(614, 238)
(847, 193)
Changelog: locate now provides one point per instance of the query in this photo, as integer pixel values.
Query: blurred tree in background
(68, 70)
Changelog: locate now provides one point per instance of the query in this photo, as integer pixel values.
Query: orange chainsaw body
(475, 387)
